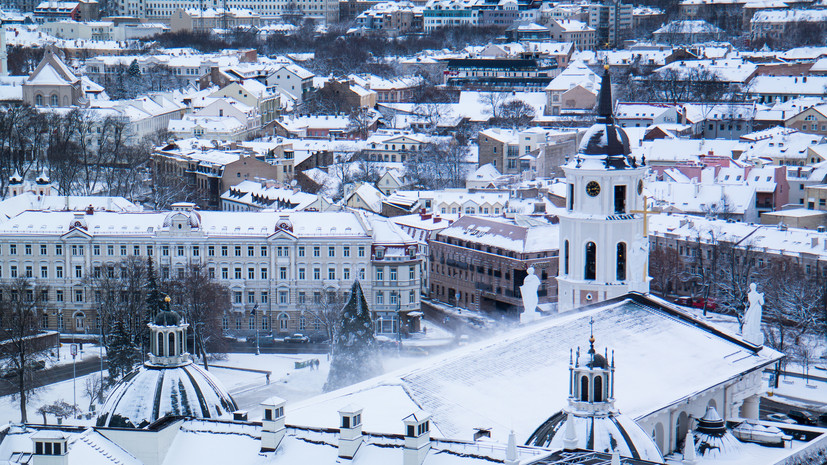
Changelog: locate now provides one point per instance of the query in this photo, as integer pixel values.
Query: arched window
(598, 389)
(591, 259)
(283, 322)
(171, 344)
(38, 100)
(621, 261)
(584, 388)
(180, 343)
(566, 257)
(160, 344)
(54, 100)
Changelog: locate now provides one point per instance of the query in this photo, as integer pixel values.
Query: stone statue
(638, 259)
(531, 284)
(751, 329)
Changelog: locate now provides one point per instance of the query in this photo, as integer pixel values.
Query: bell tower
(168, 339)
(591, 383)
(603, 246)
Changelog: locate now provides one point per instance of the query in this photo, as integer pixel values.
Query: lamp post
(398, 297)
(255, 322)
(73, 349)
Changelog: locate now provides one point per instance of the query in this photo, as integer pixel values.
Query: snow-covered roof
(576, 74)
(264, 196)
(795, 85)
(503, 234)
(695, 26)
(702, 198)
(13, 206)
(789, 15)
(663, 355)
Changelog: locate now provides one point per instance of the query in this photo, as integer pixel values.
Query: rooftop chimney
(350, 431)
(240, 415)
(417, 438)
(50, 448)
(272, 425)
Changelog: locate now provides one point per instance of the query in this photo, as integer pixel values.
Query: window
(317, 273)
(12, 249)
(251, 251)
(110, 249)
(265, 297)
(78, 271)
(571, 197)
(211, 251)
(237, 297)
(180, 249)
(331, 251)
(346, 251)
(361, 251)
(165, 251)
(620, 199)
(237, 273)
(412, 297)
(380, 274)
(78, 295)
(123, 250)
(283, 273)
(283, 322)
(149, 250)
(196, 251)
(317, 251)
(58, 271)
(380, 297)
(346, 273)
(331, 273)
(301, 251)
(251, 273)
(283, 298)
(28, 249)
(301, 273)
(411, 273)
(29, 271)
(225, 323)
(136, 250)
(621, 261)
(224, 251)
(44, 271)
(251, 297)
(393, 273)
(59, 295)
(211, 273)
(263, 273)
(584, 389)
(58, 249)
(96, 249)
(591, 261)
(264, 250)
(362, 274)
(302, 297)
(566, 257)
(237, 251)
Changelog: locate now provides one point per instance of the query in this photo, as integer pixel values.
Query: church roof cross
(645, 212)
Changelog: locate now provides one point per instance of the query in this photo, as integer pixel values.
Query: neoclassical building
(53, 84)
(281, 264)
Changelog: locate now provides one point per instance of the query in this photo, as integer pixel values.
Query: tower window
(584, 389)
(620, 199)
(621, 261)
(591, 259)
(566, 257)
(571, 196)
(598, 389)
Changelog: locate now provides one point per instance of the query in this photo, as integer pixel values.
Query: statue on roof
(751, 328)
(528, 290)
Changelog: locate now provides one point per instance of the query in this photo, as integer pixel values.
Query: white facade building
(603, 243)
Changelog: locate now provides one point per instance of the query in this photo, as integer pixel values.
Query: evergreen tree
(154, 298)
(134, 69)
(355, 357)
(120, 352)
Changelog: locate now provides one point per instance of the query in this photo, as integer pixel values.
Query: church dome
(153, 392)
(167, 318)
(599, 433)
(605, 138)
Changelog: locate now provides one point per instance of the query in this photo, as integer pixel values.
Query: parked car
(697, 302)
(802, 418)
(781, 418)
(297, 337)
(263, 341)
(11, 372)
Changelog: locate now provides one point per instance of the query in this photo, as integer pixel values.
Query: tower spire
(604, 107)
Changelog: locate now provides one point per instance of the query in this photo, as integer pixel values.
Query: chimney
(240, 415)
(511, 450)
(272, 424)
(417, 438)
(350, 431)
(50, 448)
(814, 241)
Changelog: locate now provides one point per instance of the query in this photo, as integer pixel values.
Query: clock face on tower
(593, 188)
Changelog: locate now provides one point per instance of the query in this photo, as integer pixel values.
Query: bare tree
(735, 272)
(794, 300)
(326, 310)
(492, 102)
(20, 299)
(665, 267)
(202, 301)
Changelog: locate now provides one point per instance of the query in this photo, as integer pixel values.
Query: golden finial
(606, 67)
(167, 299)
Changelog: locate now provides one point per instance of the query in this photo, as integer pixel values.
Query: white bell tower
(603, 246)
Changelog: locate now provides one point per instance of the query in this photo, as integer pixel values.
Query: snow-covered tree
(355, 357)
(121, 352)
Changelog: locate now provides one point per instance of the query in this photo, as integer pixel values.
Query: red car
(697, 302)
